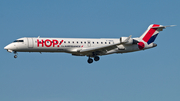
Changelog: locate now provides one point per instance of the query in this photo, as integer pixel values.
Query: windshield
(19, 41)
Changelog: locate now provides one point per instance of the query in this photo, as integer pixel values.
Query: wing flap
(102, 48)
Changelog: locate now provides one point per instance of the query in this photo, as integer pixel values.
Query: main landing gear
(90, 60)
(15, 56)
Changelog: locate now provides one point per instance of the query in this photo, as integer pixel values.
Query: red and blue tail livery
(152, 32)
(92, 48)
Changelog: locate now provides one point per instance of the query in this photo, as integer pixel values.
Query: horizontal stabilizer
(164, 26)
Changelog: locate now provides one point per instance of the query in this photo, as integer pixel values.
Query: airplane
(92, 48)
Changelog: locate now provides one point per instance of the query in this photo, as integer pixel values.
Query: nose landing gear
(15, 56)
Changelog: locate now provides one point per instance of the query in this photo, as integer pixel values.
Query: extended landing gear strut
(96, 58)
(15, 56)
(90, 60)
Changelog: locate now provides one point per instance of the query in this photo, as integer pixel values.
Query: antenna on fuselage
(38, 36)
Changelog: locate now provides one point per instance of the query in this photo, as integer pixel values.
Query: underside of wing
(98, 50)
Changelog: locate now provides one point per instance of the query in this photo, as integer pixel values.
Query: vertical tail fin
(151, 33)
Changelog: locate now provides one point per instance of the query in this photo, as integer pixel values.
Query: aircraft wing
(102, 49)
(99, 49)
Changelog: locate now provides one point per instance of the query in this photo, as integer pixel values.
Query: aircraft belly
(42, 49)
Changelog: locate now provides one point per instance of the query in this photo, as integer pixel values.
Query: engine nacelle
(124, 40)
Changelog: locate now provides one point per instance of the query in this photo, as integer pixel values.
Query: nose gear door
(30, 42)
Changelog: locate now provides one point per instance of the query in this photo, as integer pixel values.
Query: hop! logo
(49, 43)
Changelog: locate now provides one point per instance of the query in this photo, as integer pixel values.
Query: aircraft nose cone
(6, 47)
(9, 48)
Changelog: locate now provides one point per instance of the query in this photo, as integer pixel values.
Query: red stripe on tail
(150, 33)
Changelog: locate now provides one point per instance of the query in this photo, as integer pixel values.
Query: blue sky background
(150, 75)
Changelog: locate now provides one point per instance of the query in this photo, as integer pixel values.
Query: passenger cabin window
(19, 41)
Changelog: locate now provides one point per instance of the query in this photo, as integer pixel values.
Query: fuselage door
(30, 42)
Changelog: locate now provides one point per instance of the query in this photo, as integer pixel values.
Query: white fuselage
(68, 45)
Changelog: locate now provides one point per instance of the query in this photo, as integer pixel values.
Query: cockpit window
(19, 41)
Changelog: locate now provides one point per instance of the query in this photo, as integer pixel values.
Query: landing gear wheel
(96, 58)
(90, 60)
(15, 56)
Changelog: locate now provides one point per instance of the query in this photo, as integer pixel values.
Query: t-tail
(152, 32)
